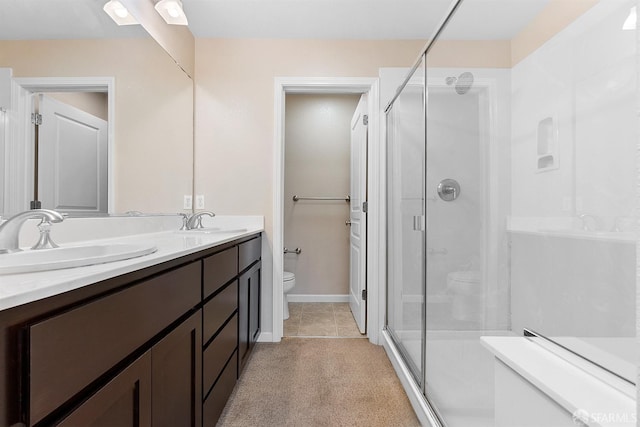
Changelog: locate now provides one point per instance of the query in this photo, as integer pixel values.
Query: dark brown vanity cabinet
(228, 336)
(160, 388)
(154, 347)
(82, 348)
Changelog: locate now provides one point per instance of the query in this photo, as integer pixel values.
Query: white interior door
(358, 218)
(72, 159)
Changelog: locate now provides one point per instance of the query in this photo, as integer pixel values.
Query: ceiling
(357, 19)
(60, 19)
(314, 19)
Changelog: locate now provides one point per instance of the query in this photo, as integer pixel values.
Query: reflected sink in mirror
(211, 230)
(613, 236)
(77, 256)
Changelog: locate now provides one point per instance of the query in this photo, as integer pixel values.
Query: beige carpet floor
(311, 382)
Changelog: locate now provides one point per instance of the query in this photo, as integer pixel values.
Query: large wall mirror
(126, 91)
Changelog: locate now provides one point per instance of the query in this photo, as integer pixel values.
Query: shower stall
(512, 214)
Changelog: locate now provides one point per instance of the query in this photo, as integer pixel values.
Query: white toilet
(289, 281)
(466, 291)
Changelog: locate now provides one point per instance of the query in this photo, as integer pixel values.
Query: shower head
(463, 82)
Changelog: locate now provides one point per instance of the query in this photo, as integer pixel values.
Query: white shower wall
(576, 284)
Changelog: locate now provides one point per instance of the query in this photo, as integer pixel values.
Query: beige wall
(235, 115)
(551, 20)
(470, 53)
(555, 17)
(317, 163)
(153, 111)
(176, 40)
(94, 103)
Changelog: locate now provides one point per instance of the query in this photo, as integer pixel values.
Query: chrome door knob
(448, 189)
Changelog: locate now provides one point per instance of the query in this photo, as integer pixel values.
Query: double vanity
(158, 339)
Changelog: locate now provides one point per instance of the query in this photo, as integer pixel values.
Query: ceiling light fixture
(119, 13)
(172, 12)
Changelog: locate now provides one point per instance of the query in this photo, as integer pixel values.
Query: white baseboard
(265, 337)
(419, 403)
(317, 298)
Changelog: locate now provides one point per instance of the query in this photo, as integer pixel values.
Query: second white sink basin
(77, 256)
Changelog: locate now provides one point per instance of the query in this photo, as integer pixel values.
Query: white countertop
(568, 384)
(18, 289)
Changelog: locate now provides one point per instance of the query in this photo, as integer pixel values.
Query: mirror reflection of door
(72, 152)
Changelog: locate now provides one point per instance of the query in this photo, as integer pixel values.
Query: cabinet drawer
(69, 351)
(219, 309)
(219, 395)
(249, 253)
(218, 352)
(218, 270)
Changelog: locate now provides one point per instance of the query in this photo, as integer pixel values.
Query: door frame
(19, 133)
(330, 85)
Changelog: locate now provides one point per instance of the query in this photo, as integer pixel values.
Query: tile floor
(320, 319)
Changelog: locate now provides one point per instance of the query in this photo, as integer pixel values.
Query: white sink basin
(211, 230)
(77, 256)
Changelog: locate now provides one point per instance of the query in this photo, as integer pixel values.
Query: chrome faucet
(195, 221)
(594, 225)
(10, 230)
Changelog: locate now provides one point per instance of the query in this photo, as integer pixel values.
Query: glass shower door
(467, 251)
(405, 219)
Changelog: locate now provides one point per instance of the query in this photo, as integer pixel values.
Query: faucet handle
(185, 219)
(44, 242)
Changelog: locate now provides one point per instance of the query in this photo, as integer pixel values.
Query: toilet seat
(469, 276)
(464, 281)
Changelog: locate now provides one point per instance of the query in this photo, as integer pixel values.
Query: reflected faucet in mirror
(10, 230)
(591, 222)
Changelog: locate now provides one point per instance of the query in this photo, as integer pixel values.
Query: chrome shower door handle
(448, 189)
(418, 223)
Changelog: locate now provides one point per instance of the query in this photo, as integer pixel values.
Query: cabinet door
(124, 401)
(243, 318)
(177, 380)
(248, 312)
(254, 304)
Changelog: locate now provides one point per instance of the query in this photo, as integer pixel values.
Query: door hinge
(36, 119)
(365, 119)
(364, 294)
(365, 207)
